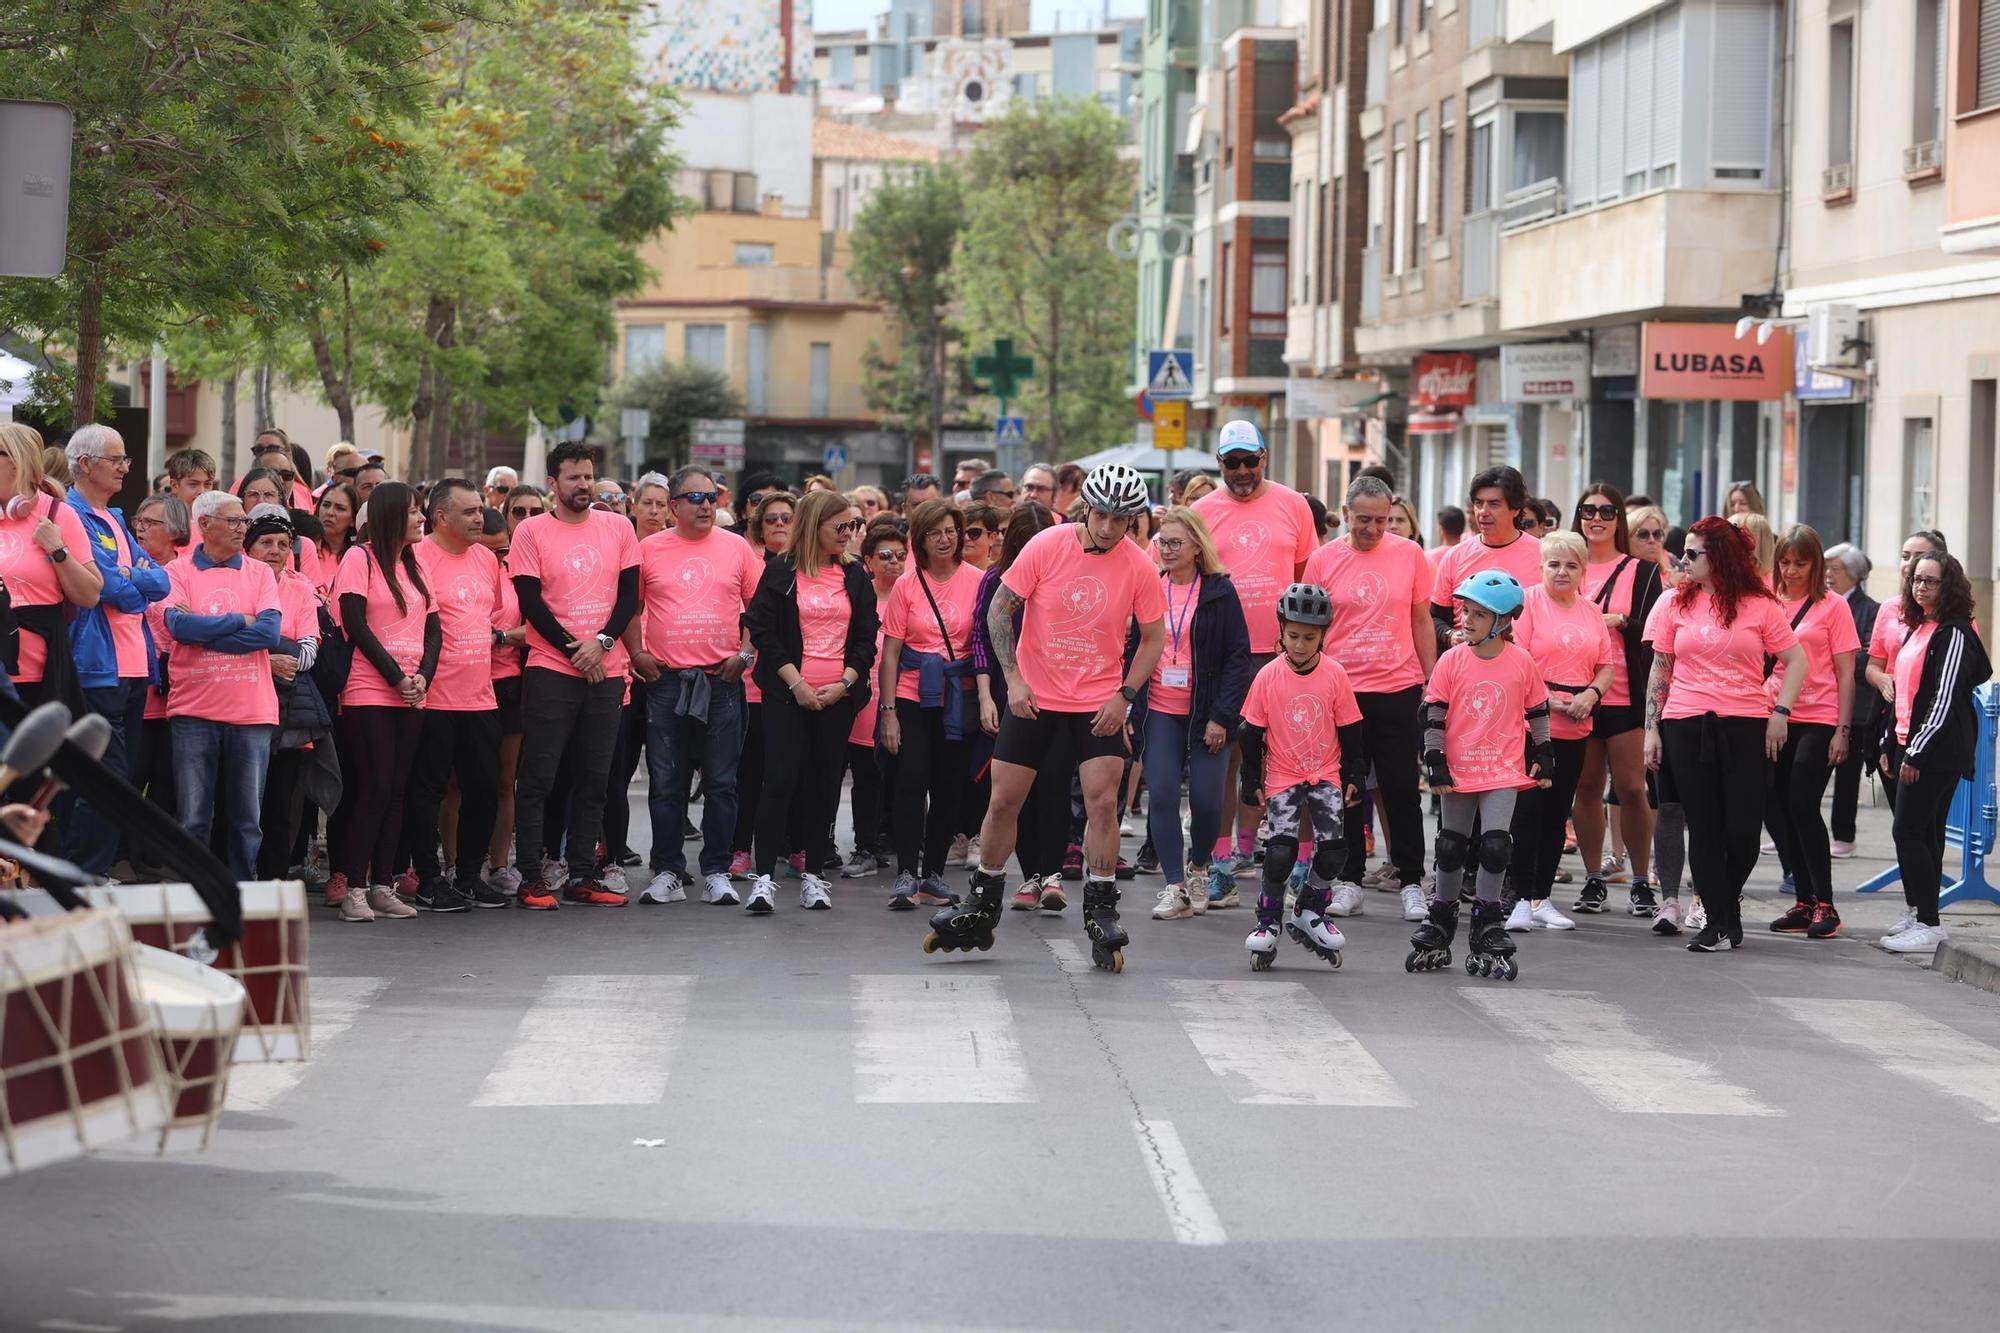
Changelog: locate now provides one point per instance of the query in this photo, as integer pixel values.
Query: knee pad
(1327, 858)
(1452, 851)
(1496, 849)
(1280, 855)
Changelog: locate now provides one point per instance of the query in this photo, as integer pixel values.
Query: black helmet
(1305, 604)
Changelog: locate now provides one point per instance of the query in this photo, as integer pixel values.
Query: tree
(1044, 184)
(676, 393)
(903, 244)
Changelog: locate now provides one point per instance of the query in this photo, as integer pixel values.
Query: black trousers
(378, 747)
(560, 712)
(1041, 833)
(1798, 781)
(1847, 777)
(1537, 829)
(1392, 730)
(466, 744)
(1722, 776)
(618, 786)
(284, 800)
(804, 755)
(1922, 808)
(865, 763)
(932, 771)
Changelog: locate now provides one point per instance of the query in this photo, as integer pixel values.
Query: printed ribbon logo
(465, 590)
(1369, 592)
(816, 616)
(693, 577)
(10, 545)
(1569, 637)
(1250, 537)
(582, 560)
(1080, 600)
(1310, 728)
(220, 602)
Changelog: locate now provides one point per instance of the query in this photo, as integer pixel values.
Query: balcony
(1670, 251)
(794, 284)
(1479, 279)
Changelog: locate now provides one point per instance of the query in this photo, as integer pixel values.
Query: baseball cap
(1238, 437)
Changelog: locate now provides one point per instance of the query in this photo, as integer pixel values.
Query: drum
(197, 1016)
(79, 1069)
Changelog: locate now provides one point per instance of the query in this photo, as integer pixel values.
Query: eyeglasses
(973, 534)
(1035, 489)
(1008, 494)
(287, 476)
(147, 523)
(850, 525)
(523, 511)
(699, 497)
(1605, 512)
(890, 553)
(778, 518)
(1649, 535)
(122, 462)
(1235, 462)
(240, 521)
(1926, 581)
(1168, 545)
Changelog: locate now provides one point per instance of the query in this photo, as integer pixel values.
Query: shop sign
(1816, 385)
(1446, 379)
(1615, 351)
(1544, 372)
(1709, 363)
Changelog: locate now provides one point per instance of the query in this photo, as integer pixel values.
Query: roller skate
(968, 925)
(1263, 946)
(1489, 952)
(1100, 921)
(1222, 882)
(1430, 943)
(1310, 927)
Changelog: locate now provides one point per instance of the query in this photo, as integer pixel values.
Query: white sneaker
(1667, 920)
(665, 888)
(1917, 939)
(1521, 918)
(1174, 904)
(813, 894)
(1548, 917)
(1198, 895)
(1125, 827)
(719, 891)
(1842, 850)
(1907, 921)
(555, 874)
(1346, 900)
(961, 848)
(1414, 906)
(763, 897)
(504, 879)
(612, 877)
(1697, 914)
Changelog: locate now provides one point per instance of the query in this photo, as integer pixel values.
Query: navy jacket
(1221, 659)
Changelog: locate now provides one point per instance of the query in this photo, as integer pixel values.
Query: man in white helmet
(1069, 691)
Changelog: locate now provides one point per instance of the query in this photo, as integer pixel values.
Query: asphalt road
(684, 1117)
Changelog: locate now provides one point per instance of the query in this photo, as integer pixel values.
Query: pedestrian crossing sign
(1011, 430)
(1169, 375)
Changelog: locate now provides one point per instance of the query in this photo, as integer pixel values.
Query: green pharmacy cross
(1003, 371)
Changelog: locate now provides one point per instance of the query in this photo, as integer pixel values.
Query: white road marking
(1593, 1042)
(1904, 1042)
(593, 1041)
(210, 1308)
(931, 1038)
(1189, 1213)
(336, 1003)
(1273, 1044)
(1069, 957)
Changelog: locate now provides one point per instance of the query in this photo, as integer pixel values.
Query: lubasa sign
(1708, 362)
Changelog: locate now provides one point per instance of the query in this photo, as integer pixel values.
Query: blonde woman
(1200, 484)
(1764, 540)
(45, 562)
(870, 501)
(813, 624)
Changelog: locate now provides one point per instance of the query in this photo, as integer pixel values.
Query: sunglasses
(890, 553)
(1606, 512)
(611, 497)
(1008, 494)
(348, 472)
(1236, 462)
(1650, 535)
(522, 511)
(699, 497)
(1692, 553)
(974, 533)
(778, 518)
(851, 525)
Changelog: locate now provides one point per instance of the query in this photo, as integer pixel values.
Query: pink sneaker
(739, 866)
(336, 890)
(797, 861)
(387, 902)
(406, 884)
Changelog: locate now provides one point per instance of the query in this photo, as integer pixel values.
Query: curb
(1975, 964)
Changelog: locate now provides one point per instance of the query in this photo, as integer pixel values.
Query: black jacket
(1944, 726)
(1867, 699)
(1221, 658)
(773, 622)
(1647, 585)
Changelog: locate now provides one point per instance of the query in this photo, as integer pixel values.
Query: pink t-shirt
(1372, 635)
(1072, 656)
(298, 607)
(907, 616)
(1521, 557)
(1618, 604)
(1486, 715)
(1569, 645)
(694, 595)
(1827, 629)
(579, 565)
(824, 614)
(863, 730)
(128, 639)
(156, 616)
(1262, 543)
(1171, 691)
(467, 588)
(1719, 668)
(1434, 556)
(1907, 668)
(1890, 632)
(400, 632)
(1301, 716)
(31, 577)
(207, 683)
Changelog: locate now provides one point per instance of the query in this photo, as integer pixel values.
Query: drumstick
(90, 733)
(34, 742)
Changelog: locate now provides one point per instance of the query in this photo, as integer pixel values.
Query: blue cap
(1238, 437)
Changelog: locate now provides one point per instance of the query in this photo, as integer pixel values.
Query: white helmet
(1115, 489)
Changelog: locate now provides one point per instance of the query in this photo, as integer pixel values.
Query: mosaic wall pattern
(726, 46)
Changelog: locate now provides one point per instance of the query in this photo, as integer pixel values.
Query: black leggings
(804, 755)
(1798, 781)
(866, 767)
(378, 747)
(1392, 726)
(1537, 828)
(1040, 836)
(1722, 776)
(283, 800)
(930, 766)
(1922, 808)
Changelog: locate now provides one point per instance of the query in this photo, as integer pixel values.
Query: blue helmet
(1495, 591)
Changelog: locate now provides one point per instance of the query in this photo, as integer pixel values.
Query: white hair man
(500, 481)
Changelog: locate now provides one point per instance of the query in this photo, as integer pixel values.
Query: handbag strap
(944, 633)
(1603, 598)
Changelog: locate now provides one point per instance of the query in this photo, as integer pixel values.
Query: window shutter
(1667, 87)
(1612, 93)
(1740, 99)
(1988, 91)
(1584, 112)
(1638, 156)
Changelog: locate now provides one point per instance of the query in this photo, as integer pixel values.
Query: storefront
(1709, 414)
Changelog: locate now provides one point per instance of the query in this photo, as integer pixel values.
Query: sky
(838, 15)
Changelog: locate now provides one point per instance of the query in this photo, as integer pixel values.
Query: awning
(1432, 423)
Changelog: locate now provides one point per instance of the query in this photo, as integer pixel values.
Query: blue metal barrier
(1973, 822)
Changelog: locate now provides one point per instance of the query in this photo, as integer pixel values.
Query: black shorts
(507, 697)
(1054, 737)
(1608, 720)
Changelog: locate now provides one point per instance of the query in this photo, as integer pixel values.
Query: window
(754, 252)
(1742, 69)
(1267, 289)
(822, 380)
(1625, 110)
(1420, 233)
(1986, 78)
(1839, 101)
(1377, 197)
(1919, 474)
(1323, 241)
(706, 347)
(645, 346)
(1538, 149)
(1927, 81)
(1226, 286)
(1399, 245)
(1447, 144)
(1479, 169)
(1302, 241)
(757, 394)
(1201, 323)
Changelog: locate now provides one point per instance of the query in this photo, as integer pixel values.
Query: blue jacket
(223, 633)
(90, 632)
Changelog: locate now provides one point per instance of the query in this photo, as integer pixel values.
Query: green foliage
(903, 246)
(1044, 184)
(676, 393)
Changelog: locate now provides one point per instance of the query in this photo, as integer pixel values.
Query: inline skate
(1263, 946)
(1430, 942)
(968, 925)
(1100, 921)
(1310, 927)
(1489, 950)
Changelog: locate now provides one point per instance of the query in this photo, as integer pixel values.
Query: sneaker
(1549, 917)
(665, 888)
(1414, 907)
(629, 858)
(442, 896)
(1697, 915)
(1709, 940)
(387, 902)
(932, 891)
(860, 865)
(793, 865)
(485, 895)
(1919, 938)
(763, 899)
(1787, 887)
(1224, 900)
(1125, 826)
(1522, 917)
(1053, 897)
(1842, 850)
(591, 893)
(337, 893)
(1345, 899)
(554, 873)
(1148, 861)
(1562, 876)
(1907, 921)
(1594, 894)
(961, 851)
(814, 895)
(1072, 863)
(718, 891)
(972, 852)
(1174, 904)
(1825, 922)
(1383, 878)
(1667, 921)
(832, 866)
(1767, 848)
(354, 903)
(613, 878)
(407, 884)
(1028, 897)
(1125, 869)
(1642, 900)
(688, 830)
(739, 866)
(535, 896)
(1613, 870)
(506, 879)
(1795, 920)
(905, 897)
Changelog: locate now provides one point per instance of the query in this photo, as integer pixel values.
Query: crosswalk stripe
(1190, 1214)
(930, 1038)
(592, 1041)
(1593, 1042)
(1272, 1043)
(336, 1003)
(1904, 1042)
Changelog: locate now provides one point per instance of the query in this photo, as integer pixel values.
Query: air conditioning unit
(1833, 336)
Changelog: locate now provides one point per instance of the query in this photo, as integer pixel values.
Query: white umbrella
(14, 373)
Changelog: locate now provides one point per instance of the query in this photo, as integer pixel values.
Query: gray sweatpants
(1494, 811)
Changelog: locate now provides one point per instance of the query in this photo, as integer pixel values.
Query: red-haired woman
(1707, 711)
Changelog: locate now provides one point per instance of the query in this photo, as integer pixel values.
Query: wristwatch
(60, 554)
(606, 642)
(745, 656)
(1781, 710)
(1127, 693)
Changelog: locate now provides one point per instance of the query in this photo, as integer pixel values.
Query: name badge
(1176, 677)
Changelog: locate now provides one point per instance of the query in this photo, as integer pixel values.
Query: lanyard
(1174, 626)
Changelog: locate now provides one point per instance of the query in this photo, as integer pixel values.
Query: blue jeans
(206, 753)
(87, 839)
(1166, 749)
(671, 745)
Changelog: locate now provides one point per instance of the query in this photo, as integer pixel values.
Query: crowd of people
(435, 697)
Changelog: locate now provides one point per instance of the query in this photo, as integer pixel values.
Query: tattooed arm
(1000, 631)
(1657, 684)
